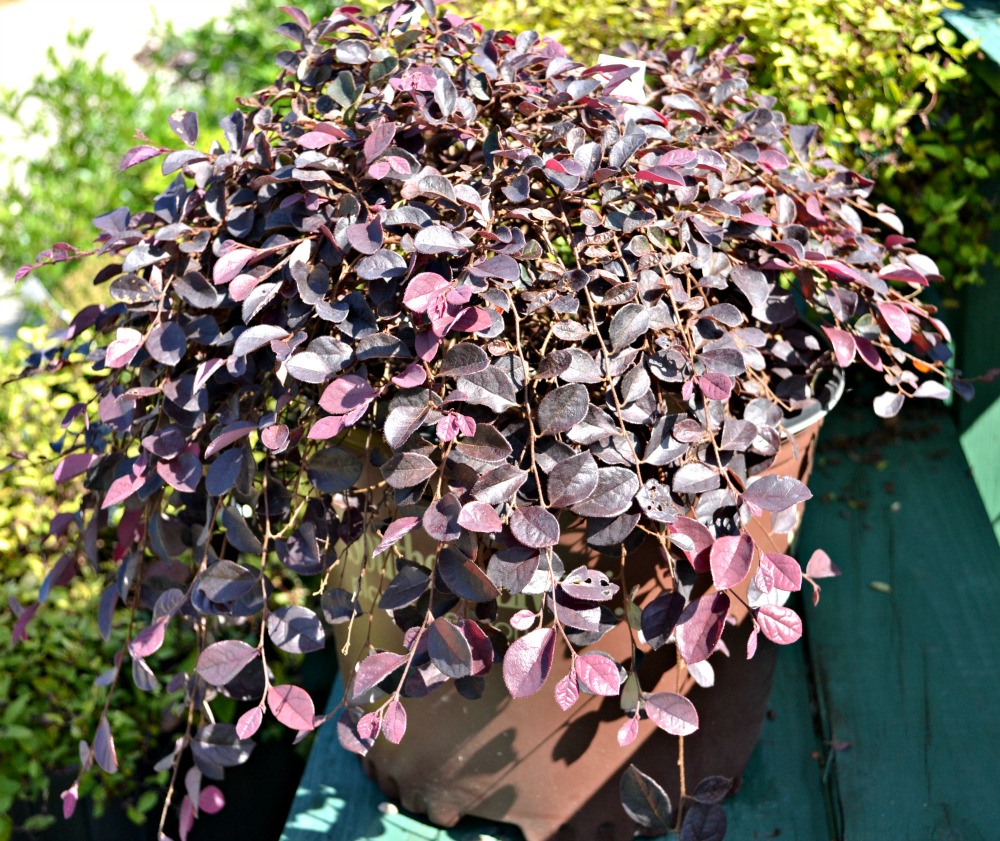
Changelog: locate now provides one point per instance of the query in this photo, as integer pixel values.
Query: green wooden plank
(904, 645)
(781, 789)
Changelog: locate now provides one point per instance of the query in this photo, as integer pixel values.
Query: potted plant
(446, 320)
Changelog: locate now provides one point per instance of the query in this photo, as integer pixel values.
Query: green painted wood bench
(885, 723)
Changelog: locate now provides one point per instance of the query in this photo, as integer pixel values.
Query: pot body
(556, 774)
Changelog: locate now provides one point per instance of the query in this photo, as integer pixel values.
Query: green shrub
(46, 697)
(89, 114)
(883, 80)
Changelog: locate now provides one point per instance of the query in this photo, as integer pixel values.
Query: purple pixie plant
(442, 280)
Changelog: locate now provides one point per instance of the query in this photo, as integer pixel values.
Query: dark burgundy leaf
(629, 323)
(437, 239)
(616, 488)
(256, 337)
(394, 722)
(479, 517)
(379, 140)
(409, 585)
(339, 606)
(222, 661)
(704, 822)
(296, 629)
(182, 473)
(492, 388)
(373, 670)
(185, 125)
(645, 801)
(712, 790)
(562, 409)
(500, 266)
(660, 616)
(395, 532)
(572, 480)
(528, 662)
(485, 445)
(464, 359)
(534, 527)
(448, 648)
(408, 469)
(224, 471)
(333, 470)
(499, 485)
(464, 578)
(440, 519)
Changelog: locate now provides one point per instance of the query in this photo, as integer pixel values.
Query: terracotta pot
(556, 774)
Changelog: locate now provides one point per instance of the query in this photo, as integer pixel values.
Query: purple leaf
(779, 624)
(897, 319)
(673, 713)
(373, 670)
(448, 649)
(437, 239)
(296, 629)
(534, 527)
(394, 722)
(211, 800)
(843, 345)
(479, 517)
(395, 532)
(346, 394)
(69, 800)
(222, 661)
(182, 473)
(528, 662)
(572, 480)
(72, 466)
(562, 409)
(615, 491)
(730, 560)
(776, 492)
(598, 673)
(104, 747)
(700, 627)
(292, 706)
(379, 140)
(409, 585)
(256, 337)
(715, 386)
(704, 822)
(464, 578)
(149, 640)
(407, 470)
(249, 723)
(138, 154)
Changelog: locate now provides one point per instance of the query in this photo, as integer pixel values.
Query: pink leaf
(23, 272)
(242, 285)
(472, 320)
(699, 629)
(394, 722)
(835, 267)
(628, 731)
(292, 706)
(843, 345)
(773, 159)
(598, 673)
(316, 140)
(373, 670)
(72, 466)
(346, 394)
(715, 386)
(379, 170)
(369, 725)
(522, 620)
(69, 800)
(776, 492)
(122, 488)
(673, 713)
(779, 624)
(186, 820)
(423, 290)
(752, 643)
(211, 800)
(820, 566)
(897, 319)
(784, 569)
(528, 662)
(222, 661)
(379, 140)
(249, 723)
(698, 535)
(730, 560)
(479, 517)
(411, 376)
(326, 428)
(149, 640)
(661, 175)
(230, 264)
(395, 532)
(868, 353)
(567, 692)
(124, 348)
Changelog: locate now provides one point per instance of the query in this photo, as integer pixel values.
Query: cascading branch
(443, 279)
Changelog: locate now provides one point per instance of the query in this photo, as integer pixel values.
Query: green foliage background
(887, 81)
